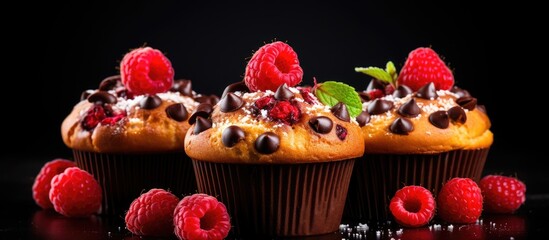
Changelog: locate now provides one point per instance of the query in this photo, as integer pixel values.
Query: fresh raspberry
(42, 182)
(424, 66)
(502, 194)
(151, 214)
(101, 114)
(413, 206)
(75, 193)
(284, 111)
(271, 66)
(460, 201)
(201, 217)
(146, 71)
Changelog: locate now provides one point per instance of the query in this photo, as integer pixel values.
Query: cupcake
(278, 157)
(419, 130)
(129, 133)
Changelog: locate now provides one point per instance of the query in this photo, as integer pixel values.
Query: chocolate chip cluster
(410, 109)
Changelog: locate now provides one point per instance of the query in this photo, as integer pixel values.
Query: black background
(66, 49)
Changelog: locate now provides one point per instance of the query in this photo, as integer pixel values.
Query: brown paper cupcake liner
(123, 177)
(376, 178)
(279, 200)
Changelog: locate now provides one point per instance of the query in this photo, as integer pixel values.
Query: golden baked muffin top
(420, 111)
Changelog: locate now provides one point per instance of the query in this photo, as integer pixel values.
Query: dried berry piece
(341, 132)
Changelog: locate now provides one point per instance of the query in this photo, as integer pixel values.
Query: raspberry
(424, 66)
(266, 103)
(389, 89)
(284, 111)
(99, 114)
(375, 93)
(412, 206)
(271, 66)
(42, 183)
(502, 194)
(151, 214)
(307, 95)
(460, 201)
(201, 216)
(75, 193)
(146, 71)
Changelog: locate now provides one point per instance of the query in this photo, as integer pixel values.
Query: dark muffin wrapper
(377, 177)
(123, 177)
(274, 200)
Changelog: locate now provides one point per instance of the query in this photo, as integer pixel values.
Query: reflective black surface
(21, 218)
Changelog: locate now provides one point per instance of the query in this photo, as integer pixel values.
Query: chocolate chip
(379, 106)
(375, 84)
(150, 102)
(341, 132)
(177, 112)
(211, 99)
(232, 135)
(402, 91)
(341, 112)
(321, 124)
(401, 126)
(235, 87)
(86, 94)
(457, 114)
(202, 124)
(231, 102)
(363, 118)
(283, 93)
(183, 86)
(203, 110)
(460, 92)
(267, 143)
(364, 96)
(427, 92)
(440, 119)
(409, 109)
(102, 97)
(468, 103)
(110, 83)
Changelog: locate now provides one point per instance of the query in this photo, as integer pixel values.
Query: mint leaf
(390, 68)
(331, 93)
(376, 73)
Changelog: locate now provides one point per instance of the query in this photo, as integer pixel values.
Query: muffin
(279, 160)
(129, 133)
(418, 130)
